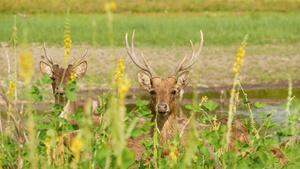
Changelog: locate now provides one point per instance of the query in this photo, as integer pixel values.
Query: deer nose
(60, 90)
(163, 108)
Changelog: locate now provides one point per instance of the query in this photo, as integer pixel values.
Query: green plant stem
(253, 124)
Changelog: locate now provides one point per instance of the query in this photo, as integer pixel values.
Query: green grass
(158, 31)
(146, 6)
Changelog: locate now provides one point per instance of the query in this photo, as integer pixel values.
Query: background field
(146, 6)
(272, 52)
(163, 30)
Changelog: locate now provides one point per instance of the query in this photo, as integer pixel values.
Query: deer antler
(180, 67)
(49, 58)
(132, 55)
(82, 56)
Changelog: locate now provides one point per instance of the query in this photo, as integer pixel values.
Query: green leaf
(35, 94)
(293, 117)
(136, 132)
(263, 157)
(140, 103)
(244, 101)
(210, 105)
(264, 116)
(72, 87)
(190, 107)
(46, 79)
(267, 123)
(258, 105)
(71, 95)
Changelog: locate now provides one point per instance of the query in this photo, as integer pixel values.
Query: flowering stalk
(15, 42)
(67, 38)
(236, 68)
(116, 113)
(27, 70)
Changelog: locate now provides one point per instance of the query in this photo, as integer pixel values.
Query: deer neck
(167, 125)
(69, 108)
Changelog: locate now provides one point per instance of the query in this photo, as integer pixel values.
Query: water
(274, 98)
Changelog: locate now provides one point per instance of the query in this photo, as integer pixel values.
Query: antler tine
(133, 57)
(151, 71)
(82, 56)
(179, 67)
(49, 58)
(193, 58)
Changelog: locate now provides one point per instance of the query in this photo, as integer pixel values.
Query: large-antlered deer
(163, 93)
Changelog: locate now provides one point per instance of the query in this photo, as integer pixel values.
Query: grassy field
(159, 32)
(146, 6)
(272, 43)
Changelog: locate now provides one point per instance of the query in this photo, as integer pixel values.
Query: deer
(163, 92)
(59, 76)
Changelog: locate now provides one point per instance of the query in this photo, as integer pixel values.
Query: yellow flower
(72, 76)
(67, 39)
(204, 99)
(173, 155)
(77, 145)
(216, 125)
(240, 57)
(12, 88)
(195, 159)
(110, 6)
(27, 66)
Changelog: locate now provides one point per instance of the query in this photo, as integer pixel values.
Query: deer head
(163, 91)
(61, 76)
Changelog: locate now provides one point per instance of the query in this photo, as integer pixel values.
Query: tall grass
(158, 31)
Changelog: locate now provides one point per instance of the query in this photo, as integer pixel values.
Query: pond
(274, 98)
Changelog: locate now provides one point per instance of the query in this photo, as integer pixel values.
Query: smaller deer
(61, 76)
(163, 98)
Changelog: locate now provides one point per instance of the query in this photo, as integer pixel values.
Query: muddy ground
(266, 66)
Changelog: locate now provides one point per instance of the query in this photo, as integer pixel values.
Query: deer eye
(152, 92)
(174, 92)
(53, 78)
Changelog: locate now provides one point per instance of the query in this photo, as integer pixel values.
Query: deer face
(56, 73)
(163, 91)
(60, 76)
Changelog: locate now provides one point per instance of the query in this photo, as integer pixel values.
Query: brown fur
(58, 77)
(162, 92)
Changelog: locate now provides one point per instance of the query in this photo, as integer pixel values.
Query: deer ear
(144, 80)
(81, 69)
(183, 80)
(45, 68)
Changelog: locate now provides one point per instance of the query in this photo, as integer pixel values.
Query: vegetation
(148, 6)
(33, 142)
(32, 139)
(158, 31)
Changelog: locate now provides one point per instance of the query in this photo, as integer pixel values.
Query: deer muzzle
(163, 108)
(60, 91)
